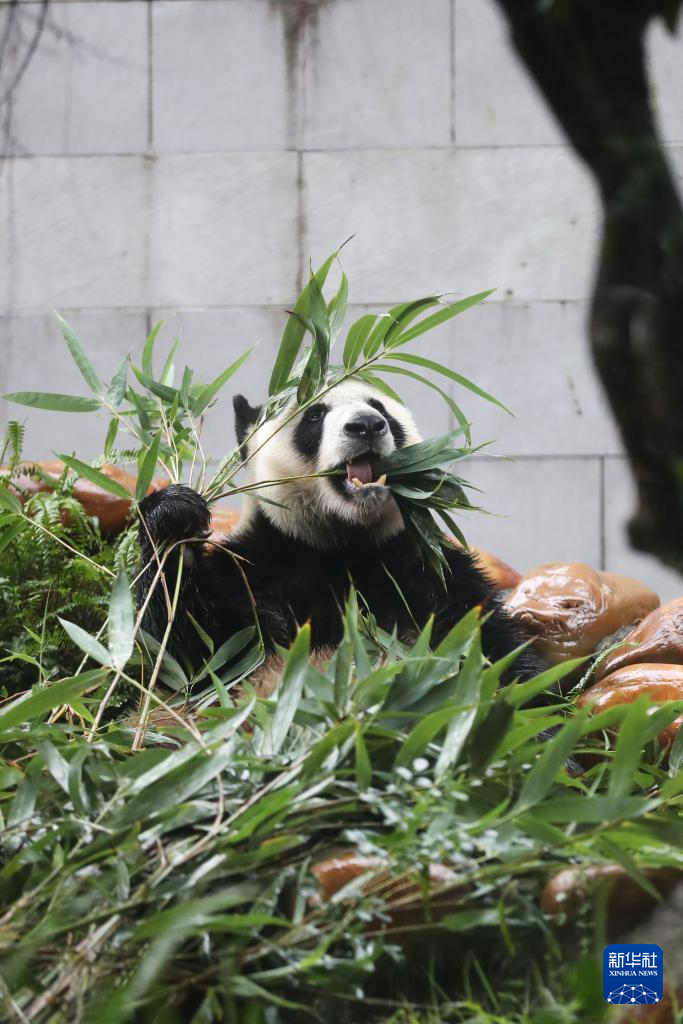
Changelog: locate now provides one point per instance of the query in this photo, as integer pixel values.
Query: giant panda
(301, 543)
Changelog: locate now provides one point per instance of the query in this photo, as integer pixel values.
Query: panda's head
(350, 428)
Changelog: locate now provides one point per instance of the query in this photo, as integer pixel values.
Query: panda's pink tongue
(360, 471)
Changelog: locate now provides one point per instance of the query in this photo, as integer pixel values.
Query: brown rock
(333, 873)
(404, 894)
(571, 607)
(502, 575)
(223, 521)
(572, 889)
(112, 512)
(660, 682)
(659, 638)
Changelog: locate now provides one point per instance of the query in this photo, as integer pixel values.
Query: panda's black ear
(245, 416)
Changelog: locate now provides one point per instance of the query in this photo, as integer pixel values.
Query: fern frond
(13, 443)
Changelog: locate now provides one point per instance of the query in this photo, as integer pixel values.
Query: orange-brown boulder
(223, 521)
(411, 902)
(661, 683)
(111, 511)
(501, 575)
(659, 637)
(412, 905)
(572, 889)
(571, 607)
(334, 872)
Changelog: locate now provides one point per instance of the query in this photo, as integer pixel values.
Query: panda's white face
(351, 427)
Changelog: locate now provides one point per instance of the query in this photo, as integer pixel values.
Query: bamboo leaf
(424, 732)
(80, 357)
(54, 402)
(520, 693)
(45, 698)
(148, 350)
(8, 500)
(294, 332)
(176, 786)
(445, 371)
(116, 391)
(206, 394)
(356, 338)
(96, 477)
(291, 688)
(176, 761)
(87, 643)
(57, 765)
(315, 370)
(676, 754)
(147, 468)
(171, 671)
(459, 415)
(110, 439)
(404, 314)
(628, 748)
(446, 313)
(381, 385)
(229, 650)
(425, 455)
(541, 778)
(489, 734)
(598, 810)
(467, 691)
(121, 622)
(363, 765)
(160, 389)
(168, 370)
(336, 311)
(377, 335)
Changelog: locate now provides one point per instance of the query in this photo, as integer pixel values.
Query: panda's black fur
(300, 554)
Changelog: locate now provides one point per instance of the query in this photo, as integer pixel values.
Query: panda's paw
(174, 513)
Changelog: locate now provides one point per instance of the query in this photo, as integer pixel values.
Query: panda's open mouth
(359, 480)
(359, 473)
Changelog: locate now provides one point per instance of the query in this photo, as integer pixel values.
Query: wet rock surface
(412, 899)
(573, 890)
(658, 638)
(661, 683)
(570, 607)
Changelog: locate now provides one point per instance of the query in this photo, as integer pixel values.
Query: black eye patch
(397, 431)
(309, 430)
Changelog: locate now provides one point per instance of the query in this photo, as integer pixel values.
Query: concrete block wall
(186, 159)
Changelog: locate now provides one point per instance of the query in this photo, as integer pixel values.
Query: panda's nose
(366, 425)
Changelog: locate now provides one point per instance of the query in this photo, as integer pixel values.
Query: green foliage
(179, 878)
(161, 870)
(41, 581)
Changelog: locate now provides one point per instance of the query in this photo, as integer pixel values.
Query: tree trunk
(587, 56)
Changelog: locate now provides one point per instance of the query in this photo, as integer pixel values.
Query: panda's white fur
(309, 508)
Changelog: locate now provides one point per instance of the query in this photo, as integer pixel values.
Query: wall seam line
(451, 33)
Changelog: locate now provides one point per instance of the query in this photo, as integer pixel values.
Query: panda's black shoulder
(461, 565)
(465, 566)
(268, 552)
